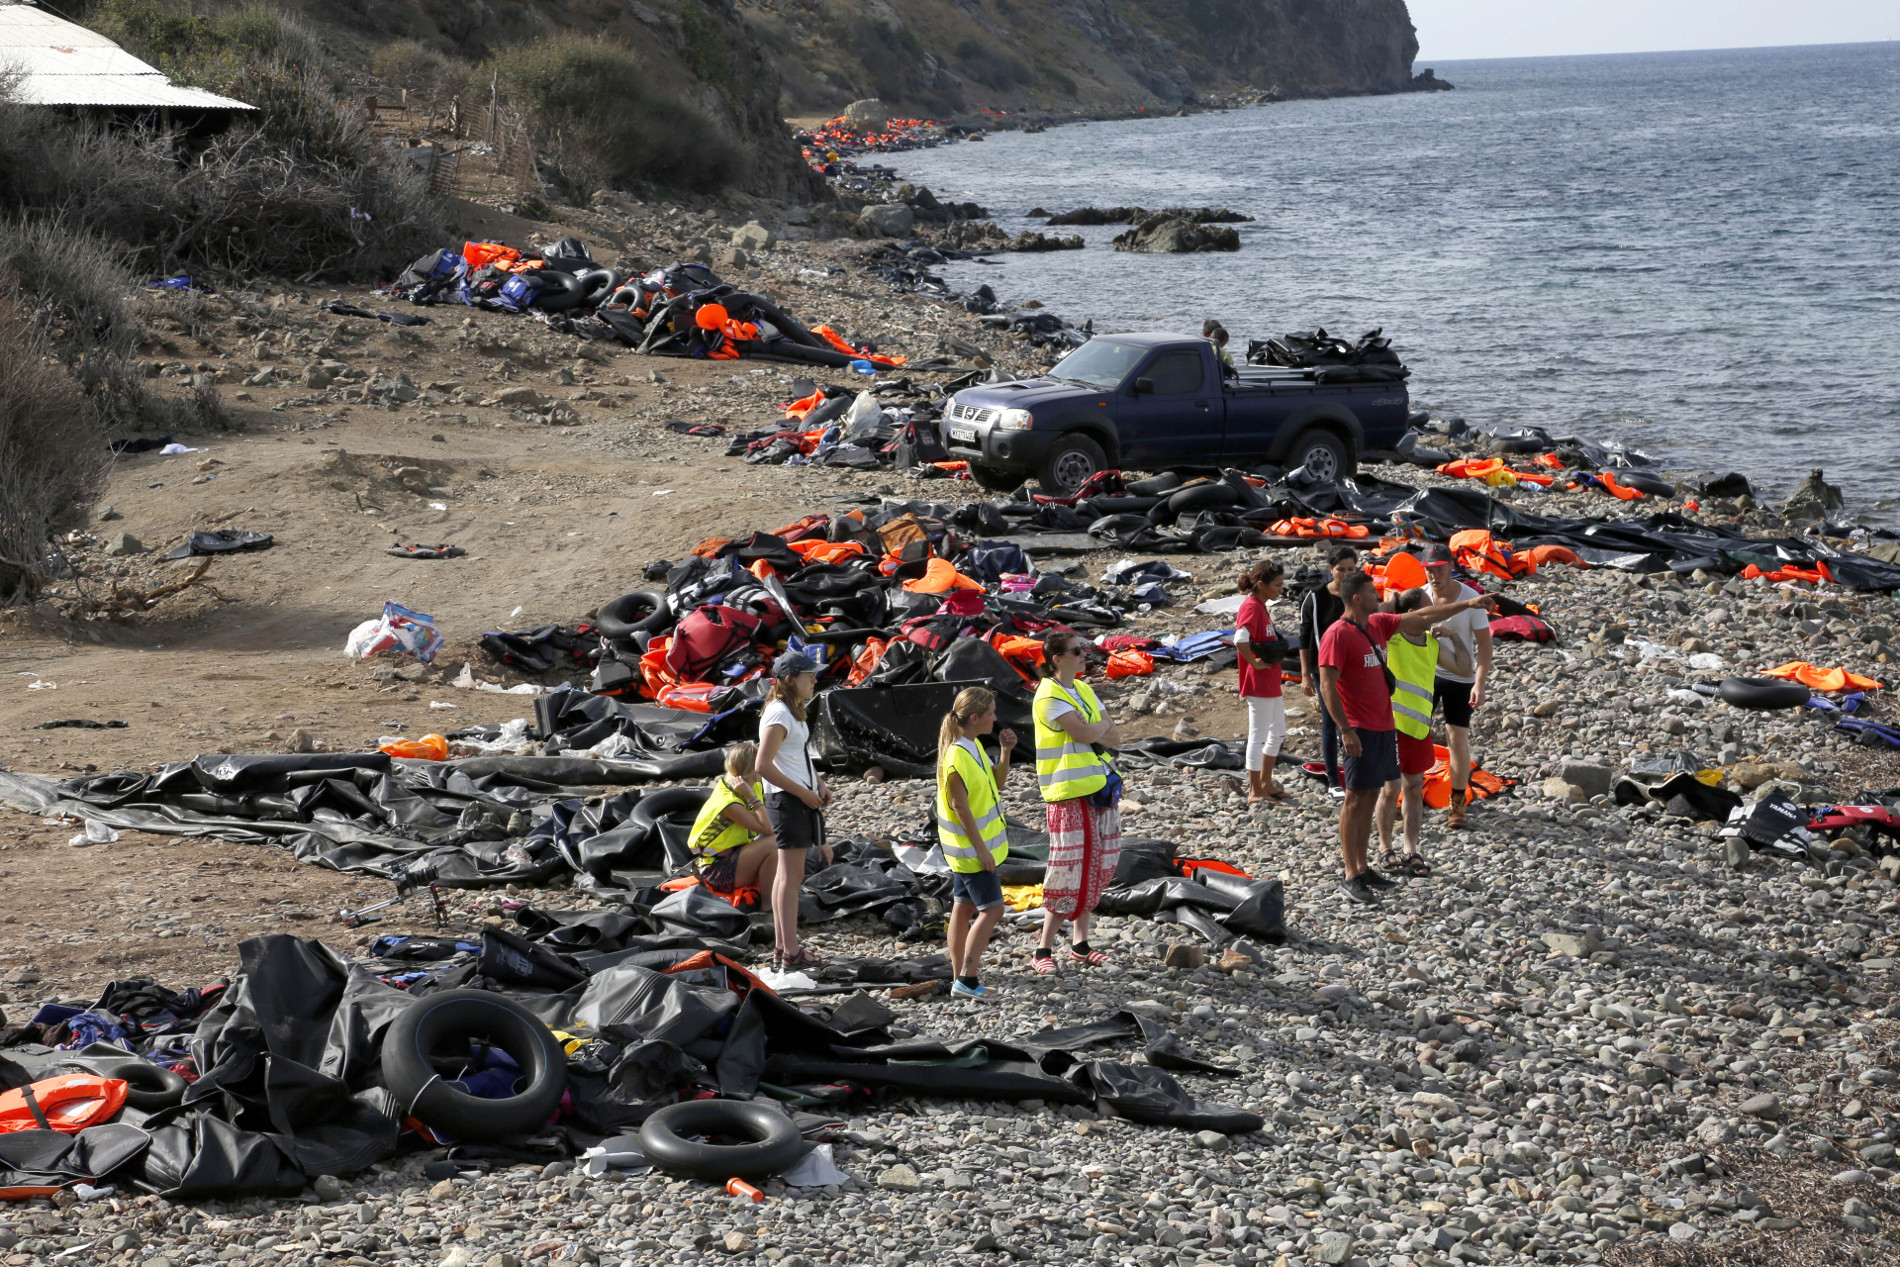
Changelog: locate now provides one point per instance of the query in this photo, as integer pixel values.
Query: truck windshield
(1100, 363)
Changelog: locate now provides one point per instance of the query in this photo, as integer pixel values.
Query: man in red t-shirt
(1358, 696)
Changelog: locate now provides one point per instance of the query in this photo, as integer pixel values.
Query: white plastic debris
(1708, 662)
(786, 980)
(1222, 606)
(622, 1153)
(815, 1169)
(96, 833)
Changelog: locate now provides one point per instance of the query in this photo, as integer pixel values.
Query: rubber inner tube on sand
(643, 611)
(1644, 482)
(1761, 693)
(559, 291)
(430, 1045)
(148, 1087)
(673, 1139)
(1202, 497)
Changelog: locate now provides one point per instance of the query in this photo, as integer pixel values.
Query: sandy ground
(556, 519)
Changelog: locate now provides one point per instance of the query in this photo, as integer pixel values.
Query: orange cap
(711, 316)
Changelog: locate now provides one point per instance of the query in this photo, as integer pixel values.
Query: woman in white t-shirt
(797, 799)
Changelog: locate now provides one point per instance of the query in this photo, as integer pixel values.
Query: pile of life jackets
(684, 309)
(1498, 473)
(825, 144)
(1815, 575)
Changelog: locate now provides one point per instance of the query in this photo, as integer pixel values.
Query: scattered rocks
(1175, 233)
(1573, 946)
(1184, 956)
(899, 1178)
(1766, 1106)
(121, 544)
(753, 236)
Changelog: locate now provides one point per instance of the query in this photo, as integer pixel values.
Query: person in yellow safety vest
(1083, 794)
(733, 843)
(971, 829)
(1413, 659)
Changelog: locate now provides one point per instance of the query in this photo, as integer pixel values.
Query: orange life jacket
(868, 659)
(694, 697)
(1555, 554)
(1438, 781)
(1617, 490)
(818, 550)
(68, 1103)
(1817, 678)
(482, 254)
(1478, 551)
(799, 408)
(1123, 664)
(1317, 528)
(940, 577)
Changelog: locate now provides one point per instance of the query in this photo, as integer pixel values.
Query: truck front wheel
(1324, 455)
(1069, 465)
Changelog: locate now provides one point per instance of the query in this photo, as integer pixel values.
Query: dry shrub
(302, 187)
(604, 122)
(427, 74)
(52, 447)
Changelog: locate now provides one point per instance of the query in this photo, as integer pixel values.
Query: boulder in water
(1176, 233)
(1029, 241)
(1813, 498)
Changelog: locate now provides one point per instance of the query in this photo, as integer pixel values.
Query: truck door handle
(1205, 404)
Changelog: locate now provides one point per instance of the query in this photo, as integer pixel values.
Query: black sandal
(1414, 864)
(1393, 864)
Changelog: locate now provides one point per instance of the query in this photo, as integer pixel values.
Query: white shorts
(1266, 729)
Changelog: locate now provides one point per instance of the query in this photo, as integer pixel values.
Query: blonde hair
(781, 690)
(971, 701)
(741, 760)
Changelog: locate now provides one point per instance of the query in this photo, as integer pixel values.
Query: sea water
(1697, 253)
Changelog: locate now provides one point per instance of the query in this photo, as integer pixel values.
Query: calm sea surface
(1697, 253)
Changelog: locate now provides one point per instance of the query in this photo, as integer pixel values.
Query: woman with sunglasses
(1083, 792)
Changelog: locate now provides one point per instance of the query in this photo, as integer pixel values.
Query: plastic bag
(398, 631)
(427, 748)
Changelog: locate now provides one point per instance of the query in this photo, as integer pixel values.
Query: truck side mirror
(1143, 387)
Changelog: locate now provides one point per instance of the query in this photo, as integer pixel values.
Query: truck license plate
(963, 435)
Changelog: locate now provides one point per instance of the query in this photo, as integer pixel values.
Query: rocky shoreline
(1597, 1034)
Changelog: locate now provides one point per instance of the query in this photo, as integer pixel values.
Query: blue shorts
(1377, 763)
(980, 889)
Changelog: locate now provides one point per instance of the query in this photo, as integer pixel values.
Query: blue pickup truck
(1154, 401)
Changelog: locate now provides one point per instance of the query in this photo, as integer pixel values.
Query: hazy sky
(1452, 29)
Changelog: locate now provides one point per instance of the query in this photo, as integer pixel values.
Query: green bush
(1062, 82)
(601, 121)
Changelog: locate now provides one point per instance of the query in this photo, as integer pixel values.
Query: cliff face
(943, 56)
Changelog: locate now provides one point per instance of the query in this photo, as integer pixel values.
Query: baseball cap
(1435, 556)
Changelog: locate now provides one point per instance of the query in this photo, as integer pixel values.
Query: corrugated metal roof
(58, 63)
